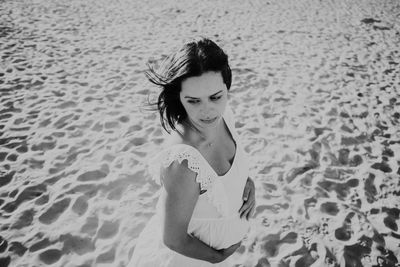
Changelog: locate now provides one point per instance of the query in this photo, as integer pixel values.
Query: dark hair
(192, 59)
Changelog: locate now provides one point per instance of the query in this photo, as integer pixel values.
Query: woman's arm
(179, 200)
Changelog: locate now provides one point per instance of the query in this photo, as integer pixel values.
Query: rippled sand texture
(316, 93)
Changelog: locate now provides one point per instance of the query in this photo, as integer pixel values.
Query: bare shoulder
(174, 138)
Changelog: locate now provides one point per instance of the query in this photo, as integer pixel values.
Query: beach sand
(315, 92)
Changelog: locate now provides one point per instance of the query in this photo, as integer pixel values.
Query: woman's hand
(226, 252)
(249, 199)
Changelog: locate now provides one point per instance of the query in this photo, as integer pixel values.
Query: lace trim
(206, 177)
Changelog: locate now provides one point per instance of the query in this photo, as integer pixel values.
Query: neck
(203, 136)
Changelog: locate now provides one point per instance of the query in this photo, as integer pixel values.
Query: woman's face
(204, 99)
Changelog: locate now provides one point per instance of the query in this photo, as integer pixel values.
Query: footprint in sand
(55, 211)
(295, 172)
(343, 156)
(387, 152)
(50, 256)
(90, 227)
(370, 189)
(44, 146)
(92, 175)
(42, 200)
(27, 194)
(116, 193)
(5, 261)
(98, 127)
(370, 20)
(25, 219)
(5, 177)
(355, 161)
(381, 166)
(123, 119)
(111, 125)
(34, 163)
(330, 208)
(3, 156)
(44, 243)
(345, 232)
(81, 205)
(17, 248)
(108, 230)
(106, 257)
(341, 189)
(66, 104)
(390, 220)
(273, 242)
(22, 148)
(12, 157)
(77, 244)
(63, 121)
(138, 141)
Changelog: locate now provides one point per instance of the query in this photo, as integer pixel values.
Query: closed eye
(215, 98)
(196, 101)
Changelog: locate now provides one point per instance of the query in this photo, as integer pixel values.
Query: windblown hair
(193, 59)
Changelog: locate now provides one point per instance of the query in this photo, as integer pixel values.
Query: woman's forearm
(192, 247)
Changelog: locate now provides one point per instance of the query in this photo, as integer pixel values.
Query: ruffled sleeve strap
(206, 177)
(180, 153)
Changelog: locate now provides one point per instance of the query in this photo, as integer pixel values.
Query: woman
(206, 194)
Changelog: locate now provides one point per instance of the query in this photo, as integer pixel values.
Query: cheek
(223, 103)
(190, 110)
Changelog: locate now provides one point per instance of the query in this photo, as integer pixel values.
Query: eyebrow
(198, 98)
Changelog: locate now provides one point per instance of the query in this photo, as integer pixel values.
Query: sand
(316, 94)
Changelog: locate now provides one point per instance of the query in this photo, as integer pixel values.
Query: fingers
(246, 209)
(245, 206)
(246, 191)
(247, 213)
(234, 247)
(237, 244)
(249, 190)
(251, 212)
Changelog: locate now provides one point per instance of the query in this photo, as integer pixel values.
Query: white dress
(215, 219)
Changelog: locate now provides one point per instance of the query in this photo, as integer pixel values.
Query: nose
(207, 108)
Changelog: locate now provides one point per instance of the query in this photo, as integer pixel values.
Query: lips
(209, 121)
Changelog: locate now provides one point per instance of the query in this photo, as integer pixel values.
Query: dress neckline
(234, 156)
